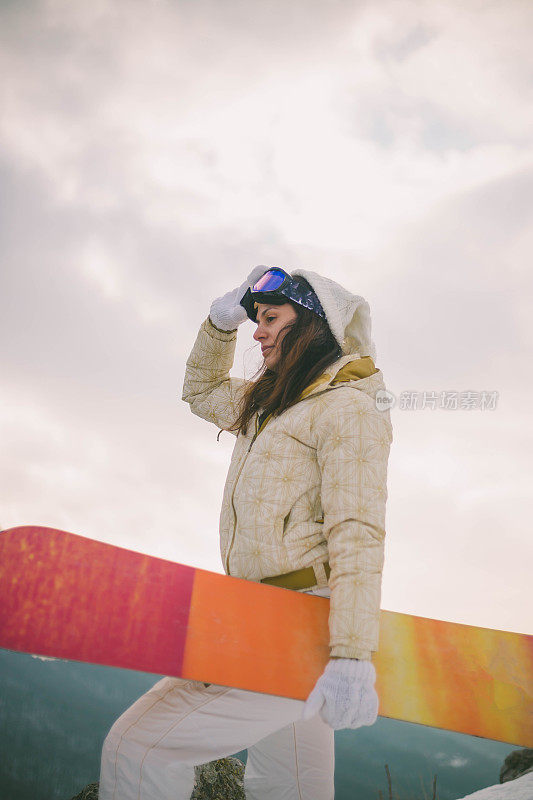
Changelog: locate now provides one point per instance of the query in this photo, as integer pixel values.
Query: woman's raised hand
(226, 312)
(344, 694)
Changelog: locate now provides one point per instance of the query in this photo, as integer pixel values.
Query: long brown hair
(307, 348)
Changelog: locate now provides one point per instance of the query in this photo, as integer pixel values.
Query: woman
(303, 508)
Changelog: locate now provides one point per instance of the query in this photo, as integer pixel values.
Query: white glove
(344, 694)
(226, 312)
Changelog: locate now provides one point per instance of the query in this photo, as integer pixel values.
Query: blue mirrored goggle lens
(269, 281)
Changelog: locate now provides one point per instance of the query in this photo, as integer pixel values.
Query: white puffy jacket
(307, 487)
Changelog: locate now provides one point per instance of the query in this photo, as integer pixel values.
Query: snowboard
(66, 596)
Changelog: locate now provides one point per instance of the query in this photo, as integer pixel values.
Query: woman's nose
(259, 333)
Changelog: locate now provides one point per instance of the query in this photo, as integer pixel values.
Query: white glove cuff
(363, 671)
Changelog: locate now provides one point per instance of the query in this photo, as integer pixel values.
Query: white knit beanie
(348, 314)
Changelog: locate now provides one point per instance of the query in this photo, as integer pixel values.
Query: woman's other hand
(226, 312)
(344, 694)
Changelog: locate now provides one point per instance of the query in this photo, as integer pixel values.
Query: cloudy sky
(152, 153)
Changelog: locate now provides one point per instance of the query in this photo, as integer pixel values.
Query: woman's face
(270, 320)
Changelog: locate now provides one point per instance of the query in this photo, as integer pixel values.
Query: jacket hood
(348, 314)
(361, 373)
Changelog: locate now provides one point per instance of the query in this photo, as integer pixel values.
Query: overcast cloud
(153, 153)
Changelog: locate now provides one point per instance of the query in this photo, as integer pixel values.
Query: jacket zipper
(234, 485)
(256, 434)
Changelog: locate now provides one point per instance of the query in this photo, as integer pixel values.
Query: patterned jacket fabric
(306, 487)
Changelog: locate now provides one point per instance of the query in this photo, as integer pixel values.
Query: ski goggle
(272, 279)
(276, 286)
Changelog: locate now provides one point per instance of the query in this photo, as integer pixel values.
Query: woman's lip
(264, 349)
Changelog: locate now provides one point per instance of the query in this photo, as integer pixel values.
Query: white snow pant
(152, 749)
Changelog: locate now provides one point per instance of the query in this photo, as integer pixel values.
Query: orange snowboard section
(71, 597)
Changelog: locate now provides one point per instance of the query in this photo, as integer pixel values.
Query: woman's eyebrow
(265, 310)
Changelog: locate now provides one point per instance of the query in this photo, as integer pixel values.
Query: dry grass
(392, 794)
